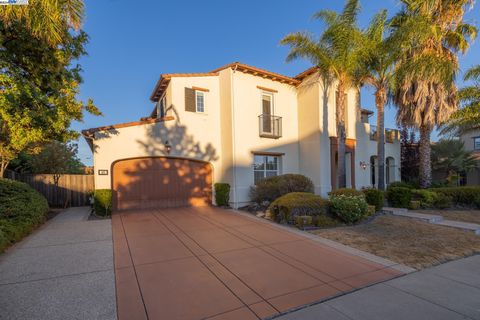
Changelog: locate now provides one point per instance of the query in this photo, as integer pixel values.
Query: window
(476, 143)
(265, 166)
(200, 101)
(162, 106)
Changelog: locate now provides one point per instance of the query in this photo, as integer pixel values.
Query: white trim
(197, 93)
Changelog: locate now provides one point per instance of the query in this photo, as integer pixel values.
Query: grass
(410, 242)
(472, 216)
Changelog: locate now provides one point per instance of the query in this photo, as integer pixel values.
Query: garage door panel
(161, 183)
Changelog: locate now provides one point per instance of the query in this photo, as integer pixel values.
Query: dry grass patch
(472, 216)
(410, 242)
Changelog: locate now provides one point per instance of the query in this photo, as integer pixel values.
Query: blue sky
(133, 42)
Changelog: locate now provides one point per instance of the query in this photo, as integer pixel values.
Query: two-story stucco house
(472, 143)
(236, 124)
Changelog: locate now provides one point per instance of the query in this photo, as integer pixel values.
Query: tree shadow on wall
(161, 180)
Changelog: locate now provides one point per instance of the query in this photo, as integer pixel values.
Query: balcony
(270, 126)
(390, 134)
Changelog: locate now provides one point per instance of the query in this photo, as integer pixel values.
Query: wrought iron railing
(270, 126)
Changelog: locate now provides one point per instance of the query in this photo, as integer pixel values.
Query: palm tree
(431, 33)
(467, 119)
(46, 19)
(336, 54)
(450, 157)
(380, 57)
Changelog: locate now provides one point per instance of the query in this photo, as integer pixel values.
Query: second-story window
(200, 101)
(267, 111)
(476, 143)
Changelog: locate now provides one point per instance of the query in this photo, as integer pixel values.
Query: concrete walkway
(449, 291)
(64, 270)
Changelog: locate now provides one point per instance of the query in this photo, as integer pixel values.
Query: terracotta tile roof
(88, 133)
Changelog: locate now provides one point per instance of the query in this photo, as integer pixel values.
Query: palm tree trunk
(342, 136)
(380, 100)
(425, 161)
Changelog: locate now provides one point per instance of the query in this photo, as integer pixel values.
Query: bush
(374, 197)
(414, 205)
(477, 201)
(102, 202)
(399, 197)
(345, 192)
(349, 208)
(401, 184)
(269, 189)
(426, 198)
(464, 196)
(287, 207)
(443, 202)
(371, 210)
(21, 210)
(325, 221)
(222, 194)
(303, 221)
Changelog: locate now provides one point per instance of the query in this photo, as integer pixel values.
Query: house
(472, 143)
(236, 124)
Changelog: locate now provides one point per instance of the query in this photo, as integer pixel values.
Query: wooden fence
(72, 189)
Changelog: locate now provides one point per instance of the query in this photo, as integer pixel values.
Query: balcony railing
(270, 126)
(390, 134)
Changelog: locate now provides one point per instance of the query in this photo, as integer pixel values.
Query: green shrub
(349, 208)
(345, 192)
(325, 221)
(426, 198)
(399, 197)
(269, 189)
(464, 196)
(371, 210)
(303, 221)
(374, 197)
(401, 184)
(477, 201)
(102, 202)
(222, 194)
(443, 202)
(415, 205)
(287, 207)
(21, 210)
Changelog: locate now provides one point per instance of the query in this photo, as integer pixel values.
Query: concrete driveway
(209, 263)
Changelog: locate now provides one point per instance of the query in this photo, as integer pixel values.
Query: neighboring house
(236, 124)
(472, 143)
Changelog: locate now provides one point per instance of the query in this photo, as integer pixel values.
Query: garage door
(161, 183)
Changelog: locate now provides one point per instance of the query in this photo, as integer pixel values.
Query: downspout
(233, 135)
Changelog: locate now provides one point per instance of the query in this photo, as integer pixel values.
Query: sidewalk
(64, 270)
(449, 291)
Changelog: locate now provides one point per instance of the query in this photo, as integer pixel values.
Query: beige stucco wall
(227, 134)
(473, 177)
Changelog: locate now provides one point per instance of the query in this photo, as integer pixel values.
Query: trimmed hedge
(269, 189)
(399, 197)
(374, 197)
(21, 210)
(349, 208)
(286, 208)
(222, 194)
(102, 202)
(463, 196)
(426, 198)
(345, 192)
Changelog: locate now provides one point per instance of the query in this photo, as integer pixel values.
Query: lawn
(472, 216)
(410, 242)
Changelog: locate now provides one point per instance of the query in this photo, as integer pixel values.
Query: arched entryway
(390, 170)
(160, 182)
(373, 171)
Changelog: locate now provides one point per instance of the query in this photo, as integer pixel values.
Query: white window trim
(279, 165)
(474, 143)
(197, 92)
(272, 103)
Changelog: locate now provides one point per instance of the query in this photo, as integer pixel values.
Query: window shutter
(190, 100)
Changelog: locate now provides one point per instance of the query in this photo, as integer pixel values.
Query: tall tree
(380, 54)
(336, 54)
(39, 84)
(467, 119)
(431, 33)
(45, 19)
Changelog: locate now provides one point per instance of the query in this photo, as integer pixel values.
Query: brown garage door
(161, 183)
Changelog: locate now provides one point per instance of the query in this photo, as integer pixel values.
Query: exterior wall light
(363, 165)
(168, 147)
